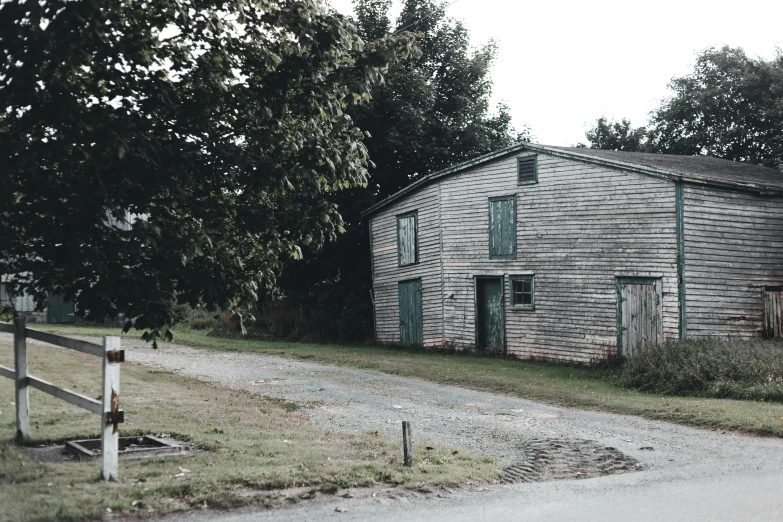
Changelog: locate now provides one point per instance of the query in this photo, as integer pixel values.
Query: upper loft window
(408, 238)
(527, 169)
(503, 227)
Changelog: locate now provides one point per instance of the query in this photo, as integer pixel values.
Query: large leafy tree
(730, 106)
(431, 112)
(175, 151)
(617, 135)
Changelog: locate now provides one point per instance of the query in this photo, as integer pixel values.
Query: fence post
(407, 444)
(110, 436)
(22, 393)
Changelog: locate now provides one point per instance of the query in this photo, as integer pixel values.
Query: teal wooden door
(639, 321)
(60, 311)
(490, 315)
(410, 313)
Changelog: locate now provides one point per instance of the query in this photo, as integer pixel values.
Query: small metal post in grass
(21, 386)
(407, 444)
(110, 419)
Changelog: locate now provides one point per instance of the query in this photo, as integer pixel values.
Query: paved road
(689, 474)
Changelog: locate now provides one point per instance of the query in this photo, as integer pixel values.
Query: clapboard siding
(733, 248)
(387, 274)
(578, 228)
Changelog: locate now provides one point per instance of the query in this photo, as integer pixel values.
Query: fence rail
(66, 342)
(108, 405)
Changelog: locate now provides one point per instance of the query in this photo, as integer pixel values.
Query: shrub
(287, 321)
(709, 368)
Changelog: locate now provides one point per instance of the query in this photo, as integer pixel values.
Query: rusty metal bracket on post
(119, 415)
(116, 356)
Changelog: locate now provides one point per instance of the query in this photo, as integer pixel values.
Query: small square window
(527, 169)
(522, 292)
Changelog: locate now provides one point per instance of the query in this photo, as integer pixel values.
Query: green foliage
(728, 107)
(431, 112)
(750, 370)
(616, 135)
(175, 151)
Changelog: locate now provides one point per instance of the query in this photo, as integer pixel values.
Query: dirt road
(655, 470)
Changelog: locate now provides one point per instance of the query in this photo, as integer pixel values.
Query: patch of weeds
(310, 493)
(282, 403)
(747, 370)
(329, 489)
(223, 500)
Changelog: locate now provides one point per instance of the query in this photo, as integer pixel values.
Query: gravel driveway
(684, 473)
(500, 426)
(681, 473)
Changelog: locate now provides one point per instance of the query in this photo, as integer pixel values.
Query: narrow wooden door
(490, 315)
(638, 314)
(773, 312)
(410, 313)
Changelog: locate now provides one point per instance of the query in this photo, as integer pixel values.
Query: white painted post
(110, 436)
(22, 393)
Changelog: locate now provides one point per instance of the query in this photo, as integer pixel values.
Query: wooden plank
(66, 342)
(110, 412)
(21, 389)
(384, 249)
(7, 328)
(69, 396)
(7, 372)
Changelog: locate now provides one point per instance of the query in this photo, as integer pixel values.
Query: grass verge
(254, 447)
(578, 387)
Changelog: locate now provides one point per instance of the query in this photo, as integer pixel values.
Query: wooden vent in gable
(527, 171)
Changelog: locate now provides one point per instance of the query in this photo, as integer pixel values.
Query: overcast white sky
(562, 64)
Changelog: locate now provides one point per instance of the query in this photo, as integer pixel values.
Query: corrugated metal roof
(697, 169)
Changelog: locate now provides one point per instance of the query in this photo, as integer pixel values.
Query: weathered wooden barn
(577, 254)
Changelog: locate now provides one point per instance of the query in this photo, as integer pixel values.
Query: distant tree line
(730, 106)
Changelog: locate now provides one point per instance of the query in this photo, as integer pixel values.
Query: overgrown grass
(253, 448)
(749, 370)
(572, 386)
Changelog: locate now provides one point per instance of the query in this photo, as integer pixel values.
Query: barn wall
(733, 248)
(578, 228)
(386, 273)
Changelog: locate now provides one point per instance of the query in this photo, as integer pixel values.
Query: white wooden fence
(107, 407)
